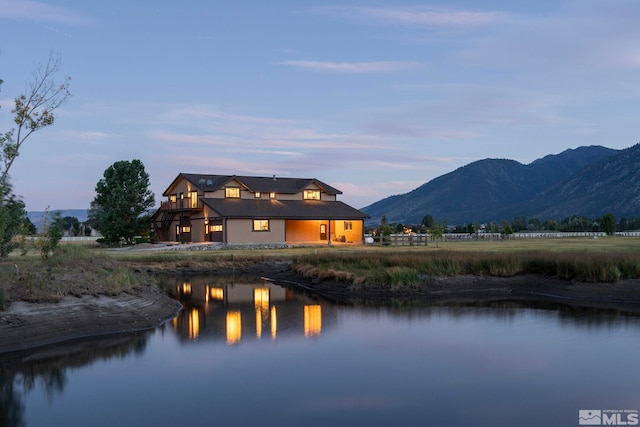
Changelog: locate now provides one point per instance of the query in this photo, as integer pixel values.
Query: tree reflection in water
(46, 368)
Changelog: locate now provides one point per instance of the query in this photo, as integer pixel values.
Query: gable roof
(252, 183)
(283, 209)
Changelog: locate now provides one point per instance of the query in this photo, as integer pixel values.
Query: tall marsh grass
(405, 268)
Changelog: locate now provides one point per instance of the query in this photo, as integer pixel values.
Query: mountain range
(588, 181)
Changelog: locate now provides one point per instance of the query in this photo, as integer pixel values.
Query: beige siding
(241, 231)
(197, 229)
(183, 186)
(219, 194)
(281, 196)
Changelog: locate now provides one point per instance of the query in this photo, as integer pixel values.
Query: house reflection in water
(221, 310)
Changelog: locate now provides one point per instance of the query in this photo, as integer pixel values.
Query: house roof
(253, 183)
(283, 209)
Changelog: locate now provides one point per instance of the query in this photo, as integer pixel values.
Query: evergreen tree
(608, 224)
(122, 196)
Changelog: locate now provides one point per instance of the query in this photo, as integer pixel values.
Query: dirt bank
(623, 296)
(25, 325)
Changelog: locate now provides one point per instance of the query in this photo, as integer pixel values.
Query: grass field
(602, 244)
(76, 269)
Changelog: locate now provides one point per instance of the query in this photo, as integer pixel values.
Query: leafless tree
(33, 111)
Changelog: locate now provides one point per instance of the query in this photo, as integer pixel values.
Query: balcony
(181, 205)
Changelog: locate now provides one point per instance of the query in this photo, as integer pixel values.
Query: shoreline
(26, 326)
(622, 296)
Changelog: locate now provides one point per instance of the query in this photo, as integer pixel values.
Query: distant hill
(36, 216)
(586, 181)
(612, 185)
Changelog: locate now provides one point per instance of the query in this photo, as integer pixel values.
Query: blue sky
(374, 98)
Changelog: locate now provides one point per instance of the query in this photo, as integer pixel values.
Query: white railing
(424, 239)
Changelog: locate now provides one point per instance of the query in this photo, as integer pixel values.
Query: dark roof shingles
(284, 209)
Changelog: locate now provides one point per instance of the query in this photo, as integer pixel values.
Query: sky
(374, 98)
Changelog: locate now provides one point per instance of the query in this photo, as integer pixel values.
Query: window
(173, 198)
(272, 195)
(257, 195)
(260, 225)
(217, 227)
(185, 229)
(348, 225)
(312, 194)
(193, 195)
(232, 192)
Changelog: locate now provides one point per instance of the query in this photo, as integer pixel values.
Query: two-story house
(250, 209)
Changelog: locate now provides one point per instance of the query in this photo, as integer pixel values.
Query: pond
(245, 352)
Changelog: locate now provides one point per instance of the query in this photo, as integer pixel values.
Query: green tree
(437, 231)
(71, 224)
(506, 229)
(428, 221)
(608, 224)
(12, 215)
(122, 196)
(519, 223)
(52, 232)
(29, 227)
(623, 224)
(33, 111)
(492, 227)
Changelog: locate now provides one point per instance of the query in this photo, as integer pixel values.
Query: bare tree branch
(33, 111)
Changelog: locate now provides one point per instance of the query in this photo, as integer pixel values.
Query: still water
(248, 353)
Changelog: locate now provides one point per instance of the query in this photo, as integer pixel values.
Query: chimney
(274, 176)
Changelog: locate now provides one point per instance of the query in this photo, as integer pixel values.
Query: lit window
(234, 327)
(312, 194)
(348, 225)
(272, 195)
(193, 195)
(312, 320)
(257, 195)
(194, 323)
(173, 198)
(216, 293)
(185, 229)
(260, 225)
(232, 192)
(217, 227)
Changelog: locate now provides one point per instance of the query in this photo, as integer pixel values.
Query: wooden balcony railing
(180, 205)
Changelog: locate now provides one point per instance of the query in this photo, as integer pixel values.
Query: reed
(408, 268)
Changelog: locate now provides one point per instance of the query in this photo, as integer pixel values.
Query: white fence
(84, 240)
(89, 240)
(425, 239)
